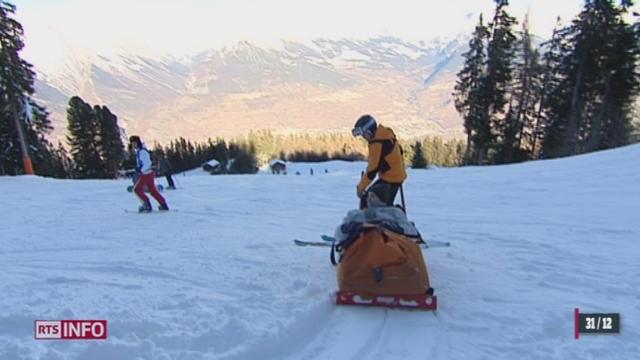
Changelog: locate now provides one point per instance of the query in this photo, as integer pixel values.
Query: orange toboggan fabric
(381, 262)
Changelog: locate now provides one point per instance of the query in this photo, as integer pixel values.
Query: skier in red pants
(146, 177)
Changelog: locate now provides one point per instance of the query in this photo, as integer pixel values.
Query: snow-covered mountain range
(323, 85)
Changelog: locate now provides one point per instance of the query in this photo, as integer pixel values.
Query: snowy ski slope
(221, 279)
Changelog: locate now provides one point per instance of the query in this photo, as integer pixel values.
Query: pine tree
(498, 78)
(83, 138)
(611, 125)
(599, 78)
(16, 85)
(468, 87)
(418, 161)
(110, 145)
(548, 93)
(584, 74)
(518, 126)
(222, 154)
(244, 160)
(481, 90)
(56, 163)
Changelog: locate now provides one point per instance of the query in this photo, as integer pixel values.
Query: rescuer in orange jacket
(385, 162)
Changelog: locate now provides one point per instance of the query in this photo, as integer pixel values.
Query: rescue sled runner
(380, 263)
(421, 301)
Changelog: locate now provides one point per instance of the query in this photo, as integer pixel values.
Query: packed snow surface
(220, 278)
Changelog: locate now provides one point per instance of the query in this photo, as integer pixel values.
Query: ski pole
(175, 178)
(404, 205)
(172, 173)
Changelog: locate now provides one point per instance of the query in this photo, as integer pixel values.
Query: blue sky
(55, 27)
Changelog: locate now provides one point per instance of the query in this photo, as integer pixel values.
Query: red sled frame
(417, 301)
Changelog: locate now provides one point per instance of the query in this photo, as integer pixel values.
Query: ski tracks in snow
(376, 333)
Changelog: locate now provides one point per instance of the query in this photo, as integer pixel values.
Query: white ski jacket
(143, 160)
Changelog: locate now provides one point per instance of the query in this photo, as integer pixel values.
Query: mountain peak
(321, 84)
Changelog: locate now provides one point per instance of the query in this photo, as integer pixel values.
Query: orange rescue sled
(381, 267)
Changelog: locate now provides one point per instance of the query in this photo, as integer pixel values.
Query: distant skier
(146, 177)
(385, 161)
(164, 169)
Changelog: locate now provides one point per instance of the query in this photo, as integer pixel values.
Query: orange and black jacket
(385, 159)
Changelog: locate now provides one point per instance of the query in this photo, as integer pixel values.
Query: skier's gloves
(358, 192)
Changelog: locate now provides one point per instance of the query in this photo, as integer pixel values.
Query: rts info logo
(71, 329)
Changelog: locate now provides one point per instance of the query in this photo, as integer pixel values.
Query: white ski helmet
(366, 127)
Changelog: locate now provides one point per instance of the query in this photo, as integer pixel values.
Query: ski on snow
(149, 212)
(328, 242)
(312, 243)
